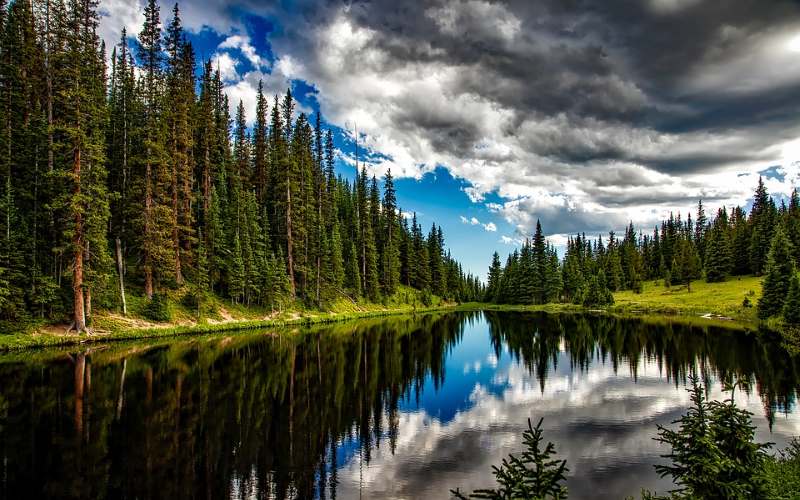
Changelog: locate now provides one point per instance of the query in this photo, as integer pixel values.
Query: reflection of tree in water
(272, 417)
(536, 339)
(215, 418)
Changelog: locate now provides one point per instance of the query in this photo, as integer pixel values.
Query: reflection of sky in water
(602, 422)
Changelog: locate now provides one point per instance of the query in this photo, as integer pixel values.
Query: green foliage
(90, 154)
(713, 454)
(779, 271)
(718, 260)
(157, 308)
(685, 263)
(783, 472)
(597, 293)
(535, 474)
(791, 308)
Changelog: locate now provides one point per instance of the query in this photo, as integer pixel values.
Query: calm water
(398, 408)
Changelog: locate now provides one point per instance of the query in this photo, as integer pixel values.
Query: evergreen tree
(535, 474)
(390, 263)
(713, 453)
(685, 264)
(791, 308)
(792, 224)
(495, 277)
(718, 262)
(761, 221)
(157, 218)
(778, 274)
(84, 200)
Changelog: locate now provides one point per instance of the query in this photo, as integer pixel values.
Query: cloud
(242, 43)
(581, 413)
(603, 115)
(473, 221)
(226, 65)
(583, 118)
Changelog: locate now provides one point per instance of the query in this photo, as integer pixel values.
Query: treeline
(134, 175)
(765, 241)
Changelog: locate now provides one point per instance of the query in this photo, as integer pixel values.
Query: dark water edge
(398, 407)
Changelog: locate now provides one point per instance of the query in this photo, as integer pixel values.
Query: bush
(783, 472)
(713, 454)
(157, 309)
(427, 298)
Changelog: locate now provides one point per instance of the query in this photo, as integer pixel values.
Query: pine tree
(792, 224)
(238, 283)
(761, 221)
(390, 263)
(778, 274)
(535, 474)
(538, 256)
(685, 264)
(718, 261)
(335, 259)
(82, 144)
(791, 308)
(260, 146)
(157, 219)
(495, 277)
(700, 232)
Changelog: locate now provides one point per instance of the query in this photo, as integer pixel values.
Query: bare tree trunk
(79, 319)
(121, 277)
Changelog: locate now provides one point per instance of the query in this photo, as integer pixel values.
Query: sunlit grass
(217, 315)
(722, 299)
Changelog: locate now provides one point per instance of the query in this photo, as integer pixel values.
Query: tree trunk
(148, 203)
(175, 237)
(289, 246)
(120, 273)
(87, 300)
(78, 318)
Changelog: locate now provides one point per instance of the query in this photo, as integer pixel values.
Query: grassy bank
(215, 316)
(713, 301)
(704, 303)
(721, 300)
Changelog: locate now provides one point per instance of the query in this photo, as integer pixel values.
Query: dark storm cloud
(584, 114)
(618, 61)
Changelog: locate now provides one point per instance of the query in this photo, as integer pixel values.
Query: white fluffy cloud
(473, 221)
(574, 172)
(509, 99)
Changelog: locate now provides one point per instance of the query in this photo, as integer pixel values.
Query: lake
(401, 407)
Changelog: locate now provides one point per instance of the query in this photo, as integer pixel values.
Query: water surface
(406, 407)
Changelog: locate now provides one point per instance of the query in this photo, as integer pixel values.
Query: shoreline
(22, 341)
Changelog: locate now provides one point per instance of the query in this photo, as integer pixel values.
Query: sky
(586, 115)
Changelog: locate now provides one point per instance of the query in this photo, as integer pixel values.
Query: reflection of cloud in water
(603, 424)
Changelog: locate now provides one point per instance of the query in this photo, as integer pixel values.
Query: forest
(764, 242)
(125, 173)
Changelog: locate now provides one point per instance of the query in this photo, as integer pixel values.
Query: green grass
(719, 299)
(218, 316)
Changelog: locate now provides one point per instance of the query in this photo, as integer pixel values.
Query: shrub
(713, 454)
(157, 309)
